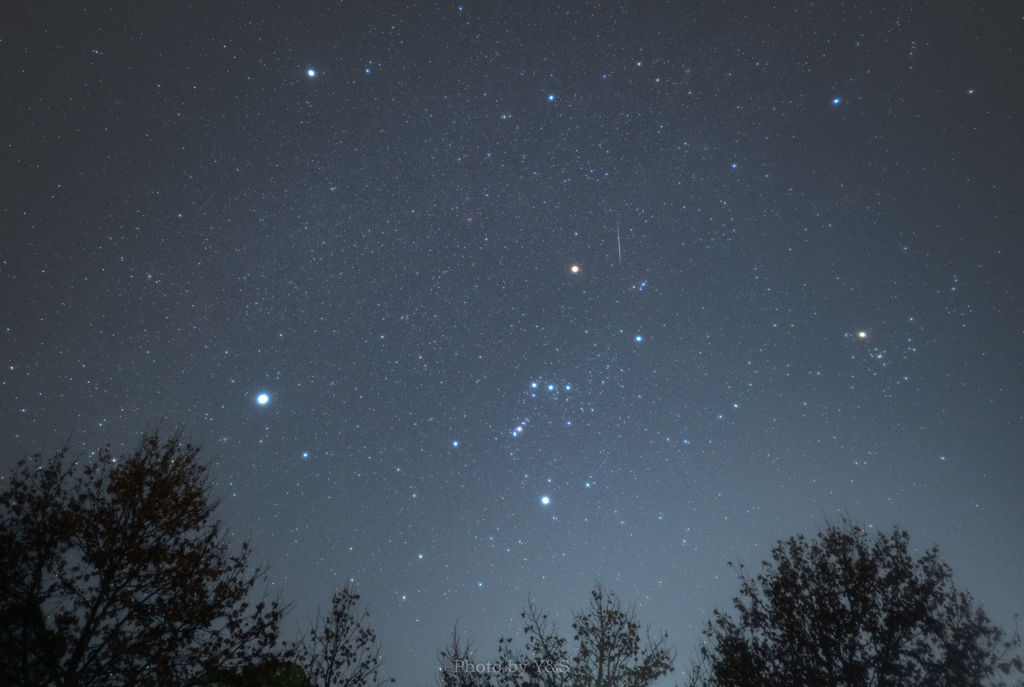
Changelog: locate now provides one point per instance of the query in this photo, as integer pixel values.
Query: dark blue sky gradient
(385, 249)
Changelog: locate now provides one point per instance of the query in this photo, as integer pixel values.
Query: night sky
(537, 293)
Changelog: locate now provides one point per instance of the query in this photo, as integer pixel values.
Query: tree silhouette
(606, 651)
(458, 665)
(115, 572)
(852, 609)
(340, 649)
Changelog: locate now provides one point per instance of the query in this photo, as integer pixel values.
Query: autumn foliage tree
(607, 649)
(457, 665)
(341, 649)
(852, 609)
(114, 571)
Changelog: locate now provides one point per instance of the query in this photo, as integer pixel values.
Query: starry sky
(535, 293)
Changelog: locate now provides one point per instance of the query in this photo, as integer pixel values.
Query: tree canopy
(115, 571)
(607, 650)
(853, 609)
(341, 650)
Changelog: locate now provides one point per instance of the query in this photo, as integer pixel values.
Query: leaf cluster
(851, 609)
(341, 650)
(115, 571)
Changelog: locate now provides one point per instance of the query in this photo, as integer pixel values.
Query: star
(545, 500)
(311, 73)
(263, 399)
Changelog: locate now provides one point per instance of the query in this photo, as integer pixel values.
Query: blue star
(551, 97)
(311, 73)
